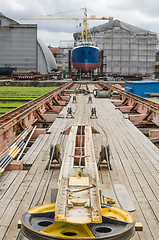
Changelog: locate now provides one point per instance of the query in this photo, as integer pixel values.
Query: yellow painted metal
(107, 200)
(79, 173)
(16, 152)
(12, 150)
(49, 207)
(118, 214)
(78, 200)
(64, 229)
(112, 212)
(2, 170)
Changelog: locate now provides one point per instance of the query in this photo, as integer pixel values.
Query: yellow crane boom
(85, 19)
(65, 18)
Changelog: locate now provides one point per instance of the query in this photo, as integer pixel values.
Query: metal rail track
(30, 106)
(150, 104)
(15, 121)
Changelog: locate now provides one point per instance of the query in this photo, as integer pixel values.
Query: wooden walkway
(134, 159)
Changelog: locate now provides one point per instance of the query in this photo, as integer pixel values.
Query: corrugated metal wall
(18, 46)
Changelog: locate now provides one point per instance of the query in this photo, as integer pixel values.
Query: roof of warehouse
(118, 25)
(9, 19)
(49, 57)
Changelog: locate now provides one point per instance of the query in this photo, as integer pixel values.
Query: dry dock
(134, 159)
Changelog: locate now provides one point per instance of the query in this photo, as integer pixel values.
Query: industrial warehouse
(20, 48)
(79, 132)
(127, 49)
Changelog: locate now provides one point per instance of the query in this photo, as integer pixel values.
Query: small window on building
(90, 52)
(0, 22)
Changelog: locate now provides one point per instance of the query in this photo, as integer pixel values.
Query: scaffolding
(127, 49)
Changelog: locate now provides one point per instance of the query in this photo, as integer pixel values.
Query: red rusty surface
(50, 117)
(56, 109)
(39, 131)
(125, 109)
(153, 133)
(11, 123)
(137, 118)
(141, 105)
(15, 165)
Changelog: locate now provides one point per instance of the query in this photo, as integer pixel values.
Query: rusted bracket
(40, 116)
(133, 107)
(55, 101)
(49, 106)
(59, 97)
(148, 115)
(22, 125)
(125, 101)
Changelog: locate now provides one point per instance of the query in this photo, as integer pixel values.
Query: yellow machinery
(78, 212)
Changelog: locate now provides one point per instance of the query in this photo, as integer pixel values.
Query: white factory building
(20, 48)
(127, 49)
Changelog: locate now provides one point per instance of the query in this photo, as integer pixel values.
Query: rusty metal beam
(142, 105)
(25, 114)
(24, 110)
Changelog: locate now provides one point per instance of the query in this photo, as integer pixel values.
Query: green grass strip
(20, 93)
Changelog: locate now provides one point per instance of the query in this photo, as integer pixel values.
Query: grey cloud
(143, 13)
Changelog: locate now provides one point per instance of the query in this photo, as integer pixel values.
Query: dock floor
(134, 159)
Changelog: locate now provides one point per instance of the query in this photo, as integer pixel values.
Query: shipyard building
(20, 48)
(127, 49)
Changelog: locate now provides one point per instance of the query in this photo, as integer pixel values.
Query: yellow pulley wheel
(38, 224)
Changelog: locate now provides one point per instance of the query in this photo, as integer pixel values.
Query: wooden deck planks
(6, 180)
(34, 181)
(134, 158)
(133, 169)
(9, 204)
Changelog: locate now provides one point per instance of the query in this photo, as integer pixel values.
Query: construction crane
(85, 19)
(55, 17)
(84, 38)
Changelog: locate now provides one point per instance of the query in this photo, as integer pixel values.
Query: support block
(56, 109)
(65, 98)
(19, 224)
(50, 117)
(39, 131)
(137, 118)
(138, 226)
(15, 165)
(154, 133)
(118, 103)
(125, 109)
(58, 102)
(61, 102)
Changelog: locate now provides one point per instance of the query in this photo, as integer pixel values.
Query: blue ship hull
(85, 57)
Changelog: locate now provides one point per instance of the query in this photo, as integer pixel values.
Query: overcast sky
(141, 13)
